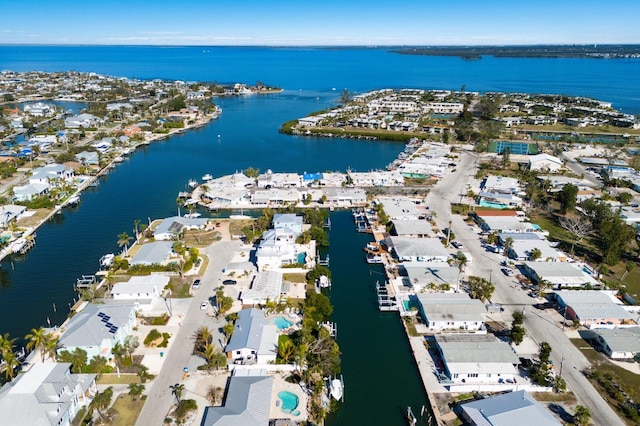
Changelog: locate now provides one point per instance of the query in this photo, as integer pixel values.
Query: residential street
(538, 324)
(159, 398)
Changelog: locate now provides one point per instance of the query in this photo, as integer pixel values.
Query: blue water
(358, 69)
(39, 286)
(289, 401)
(282, 323)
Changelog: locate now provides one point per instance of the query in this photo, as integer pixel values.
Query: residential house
(475, 359)
(88, 158)
(523, 250)
(512, 408)
(451, 311)
(97, 328)
(10, 213)
(172, 227)
(247, 403)
(266, 285)
(46, 394)
(416, 249)
(594, 309)
(403, 208)
(559, 275)
(154, 253)
(142, 290)
(288, 222)
(279, 180)
(618, 343)
(51, 174)
(345, 196)
(82, 121)
(542, 162)
(412, 228)
(28, 192)
(254, 339)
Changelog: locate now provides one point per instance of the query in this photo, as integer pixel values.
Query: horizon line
(367, 45)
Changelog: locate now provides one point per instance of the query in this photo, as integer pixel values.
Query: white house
(288, 222)
(542, 162)
(10, 213)
(82, 120)
(142, 290)
(512, 408)
(254, 339)
(618, 343)
(51, 173)
(477, 359)
(46, 394)
(451, 311)
(267, 285)
(416, 249)
(154, 253)
(28, 192)
(97, 328)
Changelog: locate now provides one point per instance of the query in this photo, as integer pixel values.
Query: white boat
(193, 183)
(239, 217)
(336, 389)
(192, 215)
(73, 200)
(207, 177)
(107, 260)
(118, 159)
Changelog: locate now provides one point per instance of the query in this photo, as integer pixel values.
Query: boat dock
(386, 300)
(85, 281)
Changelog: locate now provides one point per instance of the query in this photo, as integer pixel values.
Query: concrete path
(160, 399)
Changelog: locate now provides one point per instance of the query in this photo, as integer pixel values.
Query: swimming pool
(282, 323)
(289, 401)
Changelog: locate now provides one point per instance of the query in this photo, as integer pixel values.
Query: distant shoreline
(536, 51)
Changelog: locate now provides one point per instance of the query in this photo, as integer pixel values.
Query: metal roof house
(171, 227)
(594, 309)
(412, 228)
(266, 285)
(141, 290)
(157, 252)
(476, 359)
(416, 249)
(46, 395)
(247, 403)
(618, 343)
(558, 274)
(254, 339)
(451, 311)
(97, 328)
(513, 408)
(419, 275)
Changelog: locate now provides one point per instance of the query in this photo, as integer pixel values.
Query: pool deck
(279, 385)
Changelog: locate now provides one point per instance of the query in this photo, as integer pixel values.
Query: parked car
(229, 282)
(457, 244)
(196, 284)
(508, 272)
(204, 305)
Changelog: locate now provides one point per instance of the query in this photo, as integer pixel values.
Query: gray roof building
(46, 395)
(514, 408)
(248, 403)
(422, 274)
(480, 354)
(412, 227)
(594, 309)
(255, 335)
(619, 343)
(420, 249)
(442, 311)
(157, 252)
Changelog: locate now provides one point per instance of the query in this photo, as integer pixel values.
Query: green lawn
(127, 409)
(113, 379)
(294, 278)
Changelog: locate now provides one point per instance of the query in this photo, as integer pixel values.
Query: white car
(204, 306)
(457, 244)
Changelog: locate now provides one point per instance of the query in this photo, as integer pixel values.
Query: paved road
(540, 327)
(160, 399)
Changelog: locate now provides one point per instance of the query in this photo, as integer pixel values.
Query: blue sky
(319, 22)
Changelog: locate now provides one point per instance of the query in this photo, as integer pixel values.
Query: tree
(487, 107)
(123, 241)
(567, 198)
(136, 389)
(463, 125)
(9, 365)
(625, 197)
(559, 384)
(97, 364)
(286, 350)
(77, 358)
(628, 267)
(506, 153)
(37, 340)
(176, 390)
(102, 400)
(461, 263)
(544, 352)
(136, 224)
(51, 346)
(615, 235)
(535, 254)
(6, 344)
(578, 226)
(130, 344)
(214, 394)
(517, 330)
(481, 289)
(345, 97)
(508, 244)
(582, 415)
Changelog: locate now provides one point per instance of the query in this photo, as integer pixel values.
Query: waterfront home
(451, 311)
(512, 408)
(39, 109)
(498, 200)
(402, 208)
(171, 228)
(154, 253)
(247, 403)
(10, 213)
(276, 196)
(97, 328)
(140, 290)
(618, 343)
(559, 275)
(266, 285)
(594, 308)
(103, 145)
(345, 196)
(254, 339)
(416, 249)
(287, 222)
(28, 192)
(379, 178)
(428, 275)
(88, 158)
(51, 173)
(279, 180)
(522, 250)
(46, 394)
(541, 162)
(277, 248)
(226, 196)
(82, 121)
(475, 359)
(333, 179)
(412, 228)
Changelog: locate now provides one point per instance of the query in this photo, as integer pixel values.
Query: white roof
(561, 273)
(266, 284)
(406, 247)
(544, 157)
(412, 227)
(451, 307)
(500, 183)
(472, 351)
(508, 223)
(594, 304)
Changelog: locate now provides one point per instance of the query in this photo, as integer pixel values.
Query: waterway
(380, 374)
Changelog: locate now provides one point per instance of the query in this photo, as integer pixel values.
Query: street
(159, 397)
(487, 265)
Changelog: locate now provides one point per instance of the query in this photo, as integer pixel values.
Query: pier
(386, 301)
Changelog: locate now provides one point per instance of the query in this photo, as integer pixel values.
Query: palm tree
(135, 228)
(102, 400)
(123, 241)
(461, 262)
(6, 345)
(37, 340)
(177, 390)
(508, 244)
(119, 353)
(179, 203)
(535, 254)
(582, 416)
(227, 329)
(203, 338)
(51, 346)
(286, 351)
(11, 362)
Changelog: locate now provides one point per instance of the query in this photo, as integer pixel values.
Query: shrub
(151, 337)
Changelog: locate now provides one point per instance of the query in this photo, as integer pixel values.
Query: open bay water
(380, 374)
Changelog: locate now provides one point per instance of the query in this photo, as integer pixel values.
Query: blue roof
(312, 176)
